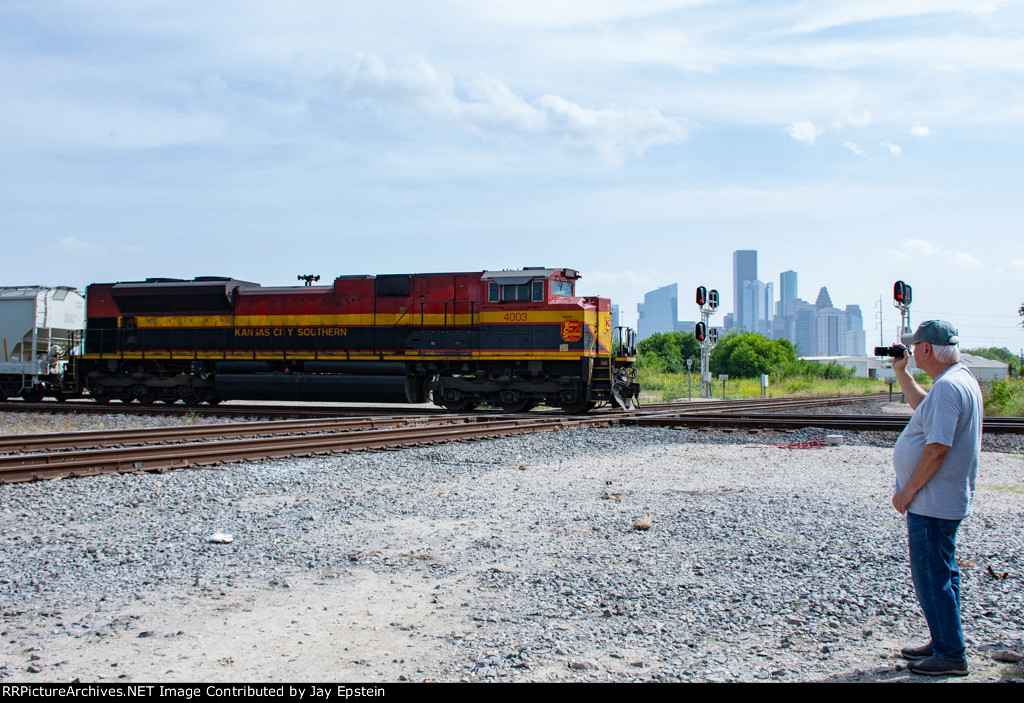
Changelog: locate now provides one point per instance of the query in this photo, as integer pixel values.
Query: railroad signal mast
(706, 335)
(902, 295)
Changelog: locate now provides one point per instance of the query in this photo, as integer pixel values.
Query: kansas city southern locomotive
(511, 339)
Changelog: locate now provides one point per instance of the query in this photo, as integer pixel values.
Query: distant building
(744, 268)
(615, 316)
(757, 304)
(856, 338)
(803, 329)
(876, 367)
(787, 291)
(658, 312)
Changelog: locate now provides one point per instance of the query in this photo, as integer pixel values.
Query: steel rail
(892, 423)
(27, 467)
(84, 439)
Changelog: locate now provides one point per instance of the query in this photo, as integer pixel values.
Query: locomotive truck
(511, 339)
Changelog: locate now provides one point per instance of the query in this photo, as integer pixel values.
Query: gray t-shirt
(950, 414)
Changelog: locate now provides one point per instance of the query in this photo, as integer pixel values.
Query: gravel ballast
(502, 560)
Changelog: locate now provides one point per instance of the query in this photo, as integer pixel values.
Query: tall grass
(662, 386)
(1004, 398)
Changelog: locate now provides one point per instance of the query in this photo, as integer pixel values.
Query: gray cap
(934, 332)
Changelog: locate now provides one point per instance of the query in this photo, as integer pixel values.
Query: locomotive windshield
(561, 288)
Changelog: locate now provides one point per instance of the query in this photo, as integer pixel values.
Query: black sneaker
(917, 653)
(936, 666)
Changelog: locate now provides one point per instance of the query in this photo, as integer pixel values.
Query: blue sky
(639, 142)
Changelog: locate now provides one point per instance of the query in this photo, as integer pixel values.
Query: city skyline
(818, 329)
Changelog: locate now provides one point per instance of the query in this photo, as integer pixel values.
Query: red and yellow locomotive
(506, 338)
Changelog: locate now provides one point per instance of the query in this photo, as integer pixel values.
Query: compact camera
(896, 351)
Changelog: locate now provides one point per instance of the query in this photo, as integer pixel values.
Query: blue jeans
(937, 581)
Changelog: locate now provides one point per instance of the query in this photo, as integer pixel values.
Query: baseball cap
(934, 332)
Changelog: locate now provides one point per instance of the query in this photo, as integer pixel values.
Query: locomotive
(511, 339)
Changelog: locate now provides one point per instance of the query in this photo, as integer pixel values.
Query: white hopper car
(38, 327)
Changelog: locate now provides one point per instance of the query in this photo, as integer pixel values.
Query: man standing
(936, 462)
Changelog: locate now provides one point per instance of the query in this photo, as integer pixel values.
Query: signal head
(899, 292)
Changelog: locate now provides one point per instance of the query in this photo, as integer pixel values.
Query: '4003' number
(515, 317)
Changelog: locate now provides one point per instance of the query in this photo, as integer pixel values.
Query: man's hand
(902, 499)
(901, 363)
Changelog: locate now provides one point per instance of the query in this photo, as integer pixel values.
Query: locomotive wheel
(194, 396)
(461, 405)
(213, 399)
(578, 408)
(147, 398)
(100, 397)
(35, 394)
(519, 406)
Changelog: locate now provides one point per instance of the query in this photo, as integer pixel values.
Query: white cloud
(804, 131)
(609, 133)
(921, 131)
(921, 246)
(862, 120)
(965, 260)
(896, 254)
(77, 248)
(856, 149)
(894, 149)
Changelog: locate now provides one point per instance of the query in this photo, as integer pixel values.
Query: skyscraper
(744, 268)
(757, 306)
(659, 312)
(855, 335)
(787, 291)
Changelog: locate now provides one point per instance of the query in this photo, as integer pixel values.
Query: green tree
(749, 355)
(668, 351)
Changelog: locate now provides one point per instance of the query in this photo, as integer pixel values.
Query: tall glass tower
(744, 268)
(787, 291)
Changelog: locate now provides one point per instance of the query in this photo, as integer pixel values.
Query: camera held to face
(897, 351)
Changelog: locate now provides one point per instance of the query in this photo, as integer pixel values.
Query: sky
(639, 142)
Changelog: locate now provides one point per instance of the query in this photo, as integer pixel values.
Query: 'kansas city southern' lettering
(291, 331)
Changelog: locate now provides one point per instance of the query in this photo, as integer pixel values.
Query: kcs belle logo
(572, 330)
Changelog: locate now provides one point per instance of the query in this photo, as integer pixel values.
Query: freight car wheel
(34, 394)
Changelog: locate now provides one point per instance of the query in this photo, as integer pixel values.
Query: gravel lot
(502, 560)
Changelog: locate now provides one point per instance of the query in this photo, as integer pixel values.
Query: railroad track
(147, 457)
(86, 406)
(890, 423)
(157, 449)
